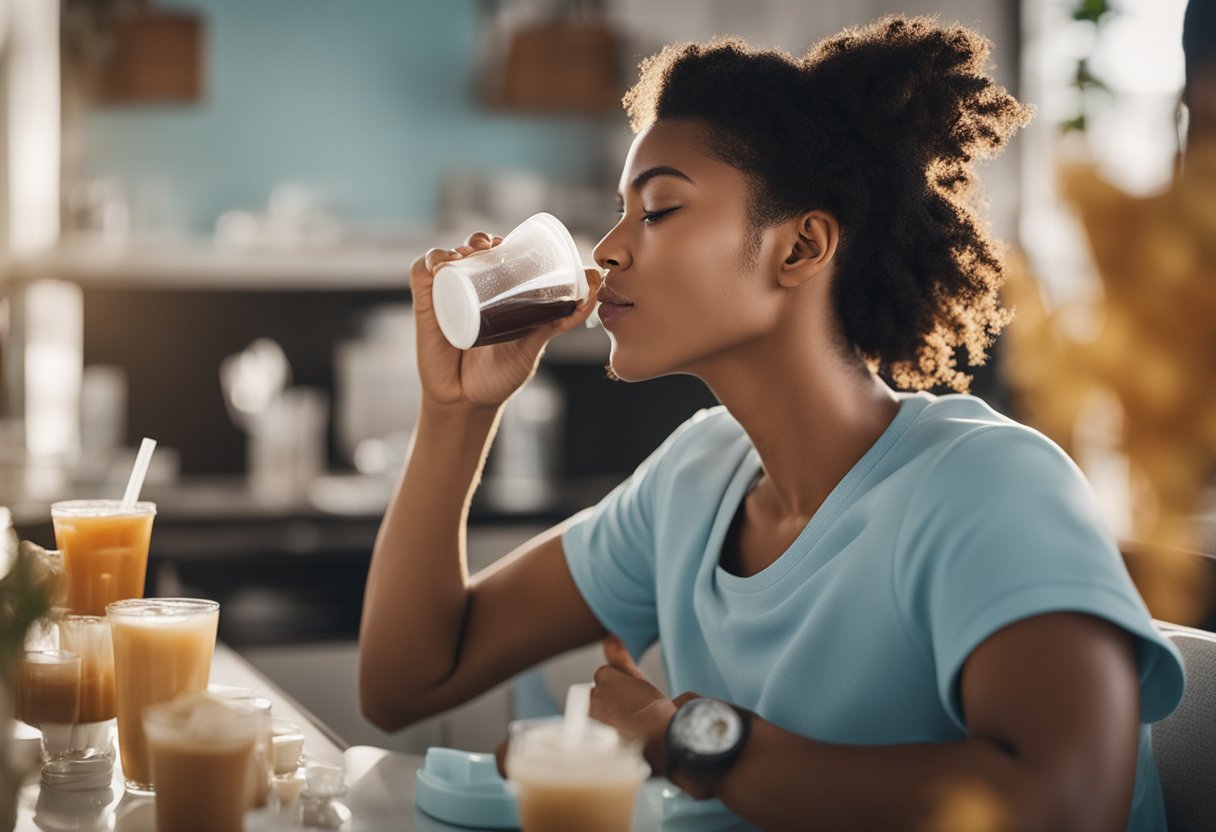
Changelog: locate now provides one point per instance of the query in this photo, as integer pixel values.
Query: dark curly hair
(880, 126)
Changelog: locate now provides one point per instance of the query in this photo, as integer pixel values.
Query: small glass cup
(320, 805)
(201, 750)
(48, 698)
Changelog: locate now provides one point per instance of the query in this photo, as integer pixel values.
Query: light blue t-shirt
(956, 523)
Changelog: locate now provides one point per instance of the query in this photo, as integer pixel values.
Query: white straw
(578, 704)
(139, 472)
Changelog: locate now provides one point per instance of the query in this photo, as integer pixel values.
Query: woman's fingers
(438, 256)
(480, 239)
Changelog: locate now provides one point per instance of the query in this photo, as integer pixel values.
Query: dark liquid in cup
(516, 317)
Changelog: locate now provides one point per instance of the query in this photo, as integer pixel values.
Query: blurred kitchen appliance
(523, 468)
(285, 425)
(377, 390)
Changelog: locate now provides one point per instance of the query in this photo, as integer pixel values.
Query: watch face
(708, 727)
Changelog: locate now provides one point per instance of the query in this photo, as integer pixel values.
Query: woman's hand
(485, 377)
(625, 699)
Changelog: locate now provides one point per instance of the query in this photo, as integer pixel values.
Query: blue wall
(375, 96)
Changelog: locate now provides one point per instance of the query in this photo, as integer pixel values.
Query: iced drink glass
(48, 697)
(105, 551)
(88, 636)
(533, 277)
(589, 784)
(201, 748)
(162, 649)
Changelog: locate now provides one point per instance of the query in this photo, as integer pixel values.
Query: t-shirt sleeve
(1002, 527)
(610, 551)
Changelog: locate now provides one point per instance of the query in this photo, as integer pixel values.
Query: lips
(613, 306)
(611, 313)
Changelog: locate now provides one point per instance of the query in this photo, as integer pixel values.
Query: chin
(625, 367)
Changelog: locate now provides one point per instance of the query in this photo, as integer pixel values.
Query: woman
(890, 598)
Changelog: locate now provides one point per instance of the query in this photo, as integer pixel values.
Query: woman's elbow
(381, 710)
(380, 702)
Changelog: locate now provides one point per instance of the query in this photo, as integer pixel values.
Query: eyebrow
(662, 170)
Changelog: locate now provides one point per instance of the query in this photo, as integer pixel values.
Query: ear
(811, 246)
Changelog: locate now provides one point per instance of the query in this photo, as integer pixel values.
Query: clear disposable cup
(105, 551)
(261, 763)
(589, 783)
(535, 276)
(201, 750)
(88, 636)
(162, 650)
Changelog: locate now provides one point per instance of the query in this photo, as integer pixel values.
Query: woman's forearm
(416, 596)
(786, 781)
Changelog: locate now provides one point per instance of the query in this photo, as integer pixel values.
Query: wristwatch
(706, 736)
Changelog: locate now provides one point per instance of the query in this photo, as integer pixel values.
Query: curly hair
(880, 126)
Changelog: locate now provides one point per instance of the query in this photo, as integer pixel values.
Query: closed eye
(650, 217)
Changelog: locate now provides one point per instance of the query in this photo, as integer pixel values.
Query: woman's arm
(431, 637)
(1052, 706)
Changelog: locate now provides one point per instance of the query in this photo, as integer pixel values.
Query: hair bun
(912, 78)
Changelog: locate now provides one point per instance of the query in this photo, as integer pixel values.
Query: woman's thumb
(618, 657)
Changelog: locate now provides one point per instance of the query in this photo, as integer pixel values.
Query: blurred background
(208, 209)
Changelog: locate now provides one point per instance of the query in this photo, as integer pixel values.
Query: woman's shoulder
(959, 426)
(710, 427)
(711, 436)
(962, 444)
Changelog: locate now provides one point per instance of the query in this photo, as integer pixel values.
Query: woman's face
(687, 289)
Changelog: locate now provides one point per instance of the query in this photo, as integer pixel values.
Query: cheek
(708, 301)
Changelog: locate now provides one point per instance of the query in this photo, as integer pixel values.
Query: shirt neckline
(911, 405)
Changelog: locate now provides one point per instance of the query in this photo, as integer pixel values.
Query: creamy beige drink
(587, 781)
(201, 749)
(162, 649)
(105, 551)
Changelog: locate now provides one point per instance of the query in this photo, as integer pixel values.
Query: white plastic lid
(456, 306)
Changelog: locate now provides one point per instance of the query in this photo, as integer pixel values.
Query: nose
(611, 252)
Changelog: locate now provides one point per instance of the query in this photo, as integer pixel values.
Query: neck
(810, 412)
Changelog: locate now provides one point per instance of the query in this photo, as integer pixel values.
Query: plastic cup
(261, 763)
(201, 749)
(587, 782)
(105, 551)
(162, 650)
(88, 636)
(535, 276)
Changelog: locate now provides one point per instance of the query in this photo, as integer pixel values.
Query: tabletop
(380, 783)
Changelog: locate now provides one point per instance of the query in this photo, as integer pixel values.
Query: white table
(380, 783)
(114, 810)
